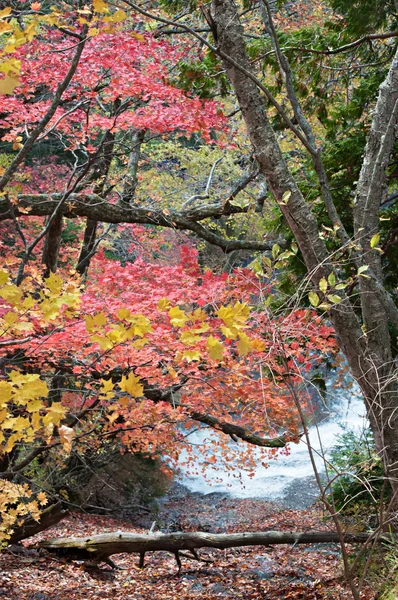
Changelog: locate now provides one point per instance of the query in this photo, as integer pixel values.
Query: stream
(289, 480)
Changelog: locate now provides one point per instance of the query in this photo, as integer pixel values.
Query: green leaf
(323, 285)
(334, 298)
(375, 240)
(332, 279)
(313, 298)
(362, 269)
(275, 250)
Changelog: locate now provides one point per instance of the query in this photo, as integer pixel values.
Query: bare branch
(207, 190)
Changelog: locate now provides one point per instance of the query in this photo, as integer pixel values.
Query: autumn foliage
(136, 354)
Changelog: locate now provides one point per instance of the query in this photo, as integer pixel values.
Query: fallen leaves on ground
(278, 573)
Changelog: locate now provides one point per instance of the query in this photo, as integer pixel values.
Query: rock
(265, 570)
(218, 590)
(196, 587)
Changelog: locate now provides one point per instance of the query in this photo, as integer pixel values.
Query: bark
(381, 392)
(88, 246)
(99, 175)
(101, 547)
(52, 245)
(131, 180)
(48, 517)
(96, 208)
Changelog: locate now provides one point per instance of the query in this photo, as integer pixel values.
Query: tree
(363, 311)
(364, 333)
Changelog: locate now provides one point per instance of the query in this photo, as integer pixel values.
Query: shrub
(358, 484)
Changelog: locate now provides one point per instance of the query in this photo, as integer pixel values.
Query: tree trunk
(101, 547)
(48, 517)
(52, 244)
(89, 239)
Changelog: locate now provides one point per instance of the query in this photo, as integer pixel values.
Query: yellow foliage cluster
(16, 503)
(25, 416)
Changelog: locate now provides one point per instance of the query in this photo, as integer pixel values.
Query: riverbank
(311, 572)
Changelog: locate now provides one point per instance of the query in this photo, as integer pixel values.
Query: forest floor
(282, 572)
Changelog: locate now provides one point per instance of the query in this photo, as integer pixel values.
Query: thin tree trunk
(89, 238)
(52, 244)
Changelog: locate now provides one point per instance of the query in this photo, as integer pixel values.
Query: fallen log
(101, 547)
(48, 517)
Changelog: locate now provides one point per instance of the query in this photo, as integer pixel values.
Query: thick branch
(48, 517)
(235, 431)
(96, 208)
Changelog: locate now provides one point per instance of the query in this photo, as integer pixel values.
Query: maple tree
(172, 345)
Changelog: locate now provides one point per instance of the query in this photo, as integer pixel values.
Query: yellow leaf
(55, 413)
(11, 67)
(54, 283)
(100, 319)
(215, 348)
(11, 443)
(89, 323)
(106, 386)
(5, 392)
(100, 6)
(34, 406)
(178, 318)
(10, 318)
(12, 294)
(163, 304)
(334, 298)
(32, 388)
(123, 314)
(313, 298)
(57, 408)
(231, 333)
(132, 386)
(191, 355)
(375, 240)
(236, 315)
(42, 498)
(140, 343)
(189, 338)
(5, 12)
(117, 17)
(3, 277)
(140, 38)
(103, 342)
(21, 424)
(258, 345)
(244, 345)
(199, 315)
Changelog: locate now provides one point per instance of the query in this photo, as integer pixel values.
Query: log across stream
(101, 547)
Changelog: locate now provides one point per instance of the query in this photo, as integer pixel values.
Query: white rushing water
(272, 482)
